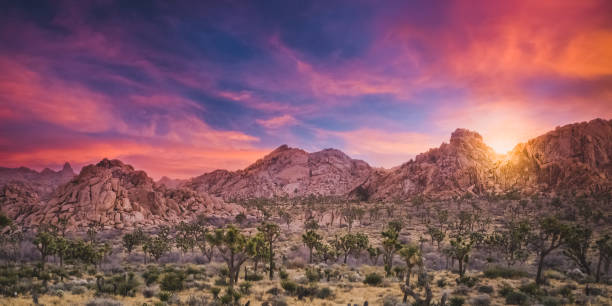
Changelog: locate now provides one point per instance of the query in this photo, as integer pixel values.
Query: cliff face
(464, 164)
(575, 157)
(116, 195)
(287, 172)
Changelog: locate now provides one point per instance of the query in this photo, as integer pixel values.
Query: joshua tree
(270, 232)
(548, 236)
(390, 244)
(460, 250)
(511, 241)
(311, 239)
(412, 256)
(44, 242)
(232, 247)
(374, 253)
(604, 247)
(577, 244)
(352, 244)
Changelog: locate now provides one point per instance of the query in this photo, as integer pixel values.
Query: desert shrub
(273, 291)
(78, 290)
(221, 281)
(324, 293)
(125, 285)
(289, 286)
(481, 300)
(215, 292)
(485, 289)
(503, 272)
(462, 290)
(531, 289)
(505, 290)
(254, 277)
(164, 296)
(456, 301)
(390, 300)
(201, 300)
(151, 275)
(103, 302)
(551, 301)
(306, 291)
(516, 298)
(230, 296)
(172, 281)
(313, 275)
(554, 274)
(467, 280)
(245, 288)
(373, 279)
(441, 282)
(283, 274)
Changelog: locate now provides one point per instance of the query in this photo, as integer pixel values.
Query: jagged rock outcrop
(287, 172)
(118, 196)
(170, 183)
(43, 183)
(464, 164)
(574, 158)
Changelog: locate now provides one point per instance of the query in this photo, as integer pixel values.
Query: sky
(179, 88)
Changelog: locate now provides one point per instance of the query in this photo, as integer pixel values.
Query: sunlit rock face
(116, 195)
(575, 157)
(464, 164)
(287, 172)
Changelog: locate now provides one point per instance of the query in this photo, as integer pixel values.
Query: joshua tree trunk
(407, 285)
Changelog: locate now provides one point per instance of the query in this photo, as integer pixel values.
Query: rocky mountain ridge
(43, 183)
(118, 196)
(575, 158)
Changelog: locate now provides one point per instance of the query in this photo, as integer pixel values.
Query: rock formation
(464, 164)
(43, 183)
(116, 195)
(287, 172)
(576, 157)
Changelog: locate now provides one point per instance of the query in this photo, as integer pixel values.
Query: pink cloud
(277, 122)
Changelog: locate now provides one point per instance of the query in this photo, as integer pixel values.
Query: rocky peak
(67, 168)
(460, 136)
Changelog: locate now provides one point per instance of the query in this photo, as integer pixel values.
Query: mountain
(170, 183)
(118, 196)
(576, 157)
(43, 183)
(287, 172)
(464, 164)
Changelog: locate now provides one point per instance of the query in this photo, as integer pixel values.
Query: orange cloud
(277, 122)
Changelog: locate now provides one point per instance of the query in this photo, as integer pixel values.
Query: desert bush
(230, 296)
(215, 292)
(516, 298)
(78, 290)
(467, 280)
(481, 300)
(283, 274)
(456, 301)
(441, 282)
(254, 277)
(193, 300)
(306, 291)
(151, 275)
(125, 285)
(485, 289)
(503, 272)
(462, 290)
(505, 290)
(531, 289)
(324, 293)
(149, 292)
(164, 296)
(553, 274)
(273, 291)
(551, 301)
(373, 279)
(289, 286)
(245, 288)
(103, 302)
(172, 281)
(313, 275)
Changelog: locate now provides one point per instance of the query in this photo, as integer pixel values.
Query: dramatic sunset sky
(179, 88)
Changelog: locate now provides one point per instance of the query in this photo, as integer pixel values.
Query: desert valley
(458, 224)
